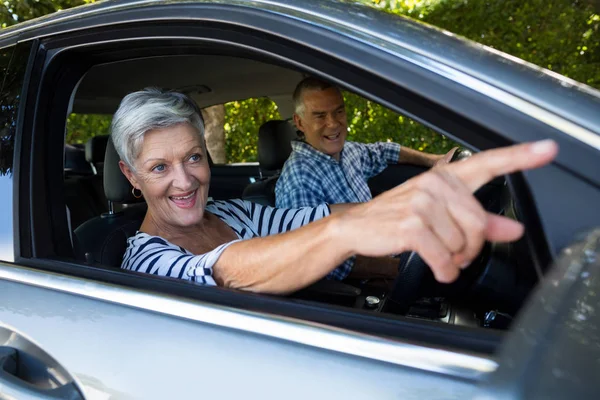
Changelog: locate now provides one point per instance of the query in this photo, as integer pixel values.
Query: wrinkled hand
(445, 158)
(436, 214)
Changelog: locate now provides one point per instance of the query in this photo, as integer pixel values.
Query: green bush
(81, 127)
(242, 121)
(560, 35)
(370, 122)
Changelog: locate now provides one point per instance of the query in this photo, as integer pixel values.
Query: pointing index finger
(485, 166)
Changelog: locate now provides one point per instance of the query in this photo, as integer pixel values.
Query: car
(522, 322)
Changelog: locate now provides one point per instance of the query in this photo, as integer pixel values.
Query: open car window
(240, 121)
(232, 129)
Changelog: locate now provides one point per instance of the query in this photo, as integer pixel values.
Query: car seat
(274, 148)
(103, 239)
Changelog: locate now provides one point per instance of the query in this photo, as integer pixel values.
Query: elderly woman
(238, 244)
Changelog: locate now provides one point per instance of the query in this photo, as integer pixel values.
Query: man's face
(324, 121)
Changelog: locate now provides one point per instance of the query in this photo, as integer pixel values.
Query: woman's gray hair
(149, 109)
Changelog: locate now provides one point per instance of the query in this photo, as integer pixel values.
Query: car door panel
(553, 352)
(118, 351)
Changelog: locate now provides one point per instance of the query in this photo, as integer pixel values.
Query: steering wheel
(413, 271)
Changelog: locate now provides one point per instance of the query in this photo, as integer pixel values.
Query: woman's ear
(128, 174)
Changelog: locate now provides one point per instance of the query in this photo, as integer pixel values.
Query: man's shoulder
(299, 162)
(355, 149)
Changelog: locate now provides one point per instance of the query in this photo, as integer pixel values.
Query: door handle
(25, 377)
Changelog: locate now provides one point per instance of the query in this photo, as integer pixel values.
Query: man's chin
(333, 151)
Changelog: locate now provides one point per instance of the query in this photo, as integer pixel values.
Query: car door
(553, 351)
(78, 331)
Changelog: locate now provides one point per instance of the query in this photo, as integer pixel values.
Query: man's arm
(415, 157)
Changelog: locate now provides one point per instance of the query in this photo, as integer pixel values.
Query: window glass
(232, 129)
(82, 127)
(12, 67)
(369, 122)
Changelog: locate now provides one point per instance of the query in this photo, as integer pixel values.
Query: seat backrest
(95, 148)
(103, 239)
(274, 148)
(80, 198)
(274, 144)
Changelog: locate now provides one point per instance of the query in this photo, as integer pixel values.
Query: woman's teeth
(184, 197)
(333, 137)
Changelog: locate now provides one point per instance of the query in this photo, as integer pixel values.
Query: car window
(232, 129)
(82, 127)
(369, 122)
(240, 121)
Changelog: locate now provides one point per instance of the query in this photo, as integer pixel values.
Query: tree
(560, 35)
(15, 11)
(214, 132)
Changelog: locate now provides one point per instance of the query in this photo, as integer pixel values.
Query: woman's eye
(159, 168)
(195, 157)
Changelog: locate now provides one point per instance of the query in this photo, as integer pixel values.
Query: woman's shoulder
(142, 240)
(231, 205)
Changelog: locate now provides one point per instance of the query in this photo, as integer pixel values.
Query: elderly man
(324, 167)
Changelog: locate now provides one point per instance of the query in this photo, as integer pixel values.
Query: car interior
(103, 212)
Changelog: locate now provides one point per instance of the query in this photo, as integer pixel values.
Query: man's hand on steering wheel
(446, 158)
(436, 215)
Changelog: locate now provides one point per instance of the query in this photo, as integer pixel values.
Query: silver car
(522, 322)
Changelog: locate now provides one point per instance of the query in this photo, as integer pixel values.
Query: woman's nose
(183, 179)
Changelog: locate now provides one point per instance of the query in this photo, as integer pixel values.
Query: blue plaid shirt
(310, 178)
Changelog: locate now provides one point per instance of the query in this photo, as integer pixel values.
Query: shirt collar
(305, 149)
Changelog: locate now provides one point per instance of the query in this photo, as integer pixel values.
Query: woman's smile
(185, 200)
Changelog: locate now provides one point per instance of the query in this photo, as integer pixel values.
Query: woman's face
(173, 174)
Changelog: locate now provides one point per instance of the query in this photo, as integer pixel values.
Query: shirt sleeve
(271, 220)
(377, 156)
(156, 256)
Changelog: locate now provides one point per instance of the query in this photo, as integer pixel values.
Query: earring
(134, 195)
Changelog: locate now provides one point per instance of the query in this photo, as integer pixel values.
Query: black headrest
(274, 146)
(116, 186)
(75, 160)
(95, 148)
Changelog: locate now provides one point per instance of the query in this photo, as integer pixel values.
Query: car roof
(433, 48)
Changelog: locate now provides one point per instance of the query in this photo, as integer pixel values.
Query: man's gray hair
(148, 109)
(310, 83)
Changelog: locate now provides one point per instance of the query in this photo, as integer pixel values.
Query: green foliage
(368, 122)
(242, 120)
(15, 11)
(81, 127)
(560, 35)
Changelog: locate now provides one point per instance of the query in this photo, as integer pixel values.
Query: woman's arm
(434, 214)
(283, 263)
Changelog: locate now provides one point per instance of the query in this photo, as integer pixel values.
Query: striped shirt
(157, 256)
(310, 177)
